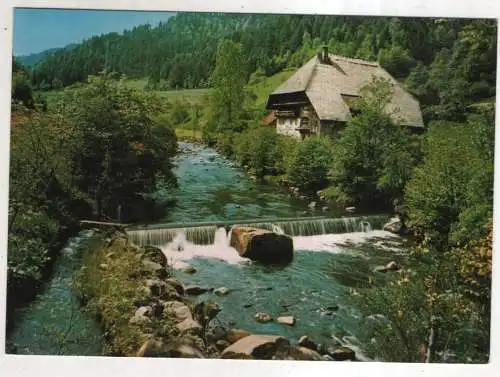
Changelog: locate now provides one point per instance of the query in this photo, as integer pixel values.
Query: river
(330, 255)
(312, 288)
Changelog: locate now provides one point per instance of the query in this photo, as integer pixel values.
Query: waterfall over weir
(206, 234)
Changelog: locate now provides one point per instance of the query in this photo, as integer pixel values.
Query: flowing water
(53, 323)
(331, 254)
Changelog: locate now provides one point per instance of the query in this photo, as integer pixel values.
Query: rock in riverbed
(158, 288)
(262, 317)
(262, 245)
(304, 341)
(195, 290)
(222, 344)
(343, 353)
(236, 334)
(222, 291)
(155, 254)
(262, 347)
(178, 309)
(182, 347)
(205, 311)
(286, 320)
(189, 326)
(176, 284)
(190, 270)
(303, 353)
(217, 333)
(155, 268)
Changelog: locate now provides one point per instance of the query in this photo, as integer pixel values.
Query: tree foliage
(259, 148)
(228, 81)
(100, 146)
(21, 86)
(308, 168)
(451, 194)
(120, 157)
(372, 159)
(442, 311)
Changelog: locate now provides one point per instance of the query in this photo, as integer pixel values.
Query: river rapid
(313, 288)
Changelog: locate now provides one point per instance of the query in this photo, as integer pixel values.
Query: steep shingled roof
(325, 85)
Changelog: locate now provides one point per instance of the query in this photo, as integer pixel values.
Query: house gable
(330, 84)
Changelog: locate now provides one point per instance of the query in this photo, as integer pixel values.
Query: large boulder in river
(236, 334)
(262, 245)
(262, 347)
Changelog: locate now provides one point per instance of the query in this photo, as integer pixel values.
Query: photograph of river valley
(251, 186)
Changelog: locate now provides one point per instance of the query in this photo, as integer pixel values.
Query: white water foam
(335, 243)
(75, 242)
(179, 250)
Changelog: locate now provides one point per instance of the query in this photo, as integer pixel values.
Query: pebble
(262, 317)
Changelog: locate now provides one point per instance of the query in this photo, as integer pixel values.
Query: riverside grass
(110, 283)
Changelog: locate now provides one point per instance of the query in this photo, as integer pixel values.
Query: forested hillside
(445, 62)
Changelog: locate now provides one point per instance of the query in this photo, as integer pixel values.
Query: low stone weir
(205, 233)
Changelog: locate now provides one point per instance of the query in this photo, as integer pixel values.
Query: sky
(36, 30)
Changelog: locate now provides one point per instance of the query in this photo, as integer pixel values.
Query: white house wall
(288, 127)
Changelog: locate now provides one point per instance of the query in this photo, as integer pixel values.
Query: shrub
(225, 143)
(309, 166)
(259, 149)
(179, 114)
(427, 315)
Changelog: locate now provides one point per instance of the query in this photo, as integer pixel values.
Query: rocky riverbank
(147, 312)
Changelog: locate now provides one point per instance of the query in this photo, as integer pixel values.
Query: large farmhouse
(318, 99)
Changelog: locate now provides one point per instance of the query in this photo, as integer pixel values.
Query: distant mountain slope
(32, 59)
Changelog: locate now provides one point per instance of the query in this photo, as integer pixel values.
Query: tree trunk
(430, 343)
